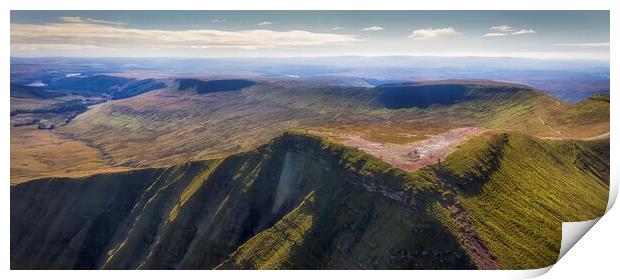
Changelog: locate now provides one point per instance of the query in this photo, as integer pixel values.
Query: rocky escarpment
(424, 95)
(204, 214)
(302, 202)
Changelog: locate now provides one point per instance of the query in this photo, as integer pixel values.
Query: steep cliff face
(356, 212)
(304, 202)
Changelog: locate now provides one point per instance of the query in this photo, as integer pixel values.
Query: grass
(168, 127)
(198, 214)
(39, 153)
(584, 119)
(181, 126)
(524, 188)
(302, 201)
(397, 132)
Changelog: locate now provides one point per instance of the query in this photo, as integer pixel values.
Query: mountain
(303, 201)
(571, 80)
(179, 123)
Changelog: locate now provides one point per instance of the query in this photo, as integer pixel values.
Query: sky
(530, 34)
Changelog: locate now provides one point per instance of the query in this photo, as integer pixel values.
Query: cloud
(501, 28)
(492, 34)
(338, 28)
(506, 30)
(264, 23)
(523, 31)
(105, 21)
(586, 45)
(218, 20)
(76, 33)
(430, 33)
(89, 20)
(372, 28)
(71, 19)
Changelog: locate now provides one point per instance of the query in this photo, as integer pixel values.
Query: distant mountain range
(571, 80)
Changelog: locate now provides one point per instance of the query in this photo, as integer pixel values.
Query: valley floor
(37, 153)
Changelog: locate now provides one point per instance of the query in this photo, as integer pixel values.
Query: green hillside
(517, 190)
(182, 125)
(301, 201)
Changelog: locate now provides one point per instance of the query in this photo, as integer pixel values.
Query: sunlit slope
(588, 118)
(305, 202)
(170, 126)
(517, 189)
(183, 125)
(195, 215)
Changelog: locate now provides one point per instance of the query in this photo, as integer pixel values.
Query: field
(42, 153)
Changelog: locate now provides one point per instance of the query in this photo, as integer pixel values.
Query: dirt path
(597, 137)
(559, 132)
(413, 156)
(467, 235)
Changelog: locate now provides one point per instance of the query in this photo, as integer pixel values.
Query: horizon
(319, 56)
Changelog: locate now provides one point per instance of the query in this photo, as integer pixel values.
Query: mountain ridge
(332, 201)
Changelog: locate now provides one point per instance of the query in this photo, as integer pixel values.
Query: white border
(597, 253)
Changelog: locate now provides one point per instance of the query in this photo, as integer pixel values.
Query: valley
(268, 173)
(306, 139)
(172, 125)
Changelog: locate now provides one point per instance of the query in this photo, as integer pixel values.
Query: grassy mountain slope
(182, 125)
(584, 119)
(305, 202)
(517, 190)
(194, 215)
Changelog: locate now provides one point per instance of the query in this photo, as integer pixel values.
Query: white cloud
(77, 33)
(264, 23)
(338, 28)
(501, 28)
(506, 30)
(524, 31)
(89, 20)
(430, 33)
(587, 45)
(105, 21)
(71, 19)
(495, 34)
(372, 28)
(218, 20)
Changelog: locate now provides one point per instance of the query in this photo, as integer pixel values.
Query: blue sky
(535, 34)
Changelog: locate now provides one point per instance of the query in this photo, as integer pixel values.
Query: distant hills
(194, 126)
(570, 80)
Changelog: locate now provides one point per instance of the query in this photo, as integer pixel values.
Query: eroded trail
(557, 131)
(467, 235)
(413, 156)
